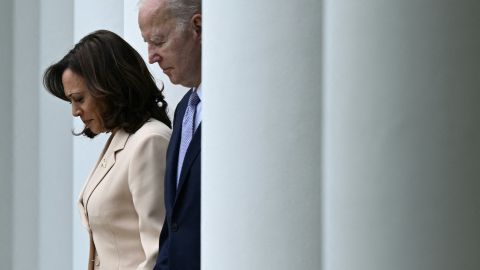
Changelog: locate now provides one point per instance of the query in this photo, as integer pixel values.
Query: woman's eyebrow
(78, 92)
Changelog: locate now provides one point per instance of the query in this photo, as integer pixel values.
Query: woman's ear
(197, 25)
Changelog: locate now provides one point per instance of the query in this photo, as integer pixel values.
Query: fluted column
(55, 144)
(6, 138)
(25, 144)
(261, 135)
(40, 183)
(402, 135)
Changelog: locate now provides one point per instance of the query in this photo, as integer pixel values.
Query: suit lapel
(105, 163)
(172, 155)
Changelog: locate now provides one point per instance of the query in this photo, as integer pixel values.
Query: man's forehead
(154, 24)
(149, 14)
(159, 31)
(162, 27)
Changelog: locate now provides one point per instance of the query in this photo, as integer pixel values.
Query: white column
(6, 139)
(402, 135)
(261, 148)
(55, 144)
(41, 146)
(25, 220)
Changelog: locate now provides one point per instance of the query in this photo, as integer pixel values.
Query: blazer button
(174, 227)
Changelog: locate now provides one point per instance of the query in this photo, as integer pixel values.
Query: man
(172, 30)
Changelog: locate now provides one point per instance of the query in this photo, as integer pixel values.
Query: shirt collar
(199, 91)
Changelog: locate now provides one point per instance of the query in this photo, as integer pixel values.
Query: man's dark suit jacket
(179, 247)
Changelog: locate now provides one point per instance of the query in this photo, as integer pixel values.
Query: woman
(111, 90)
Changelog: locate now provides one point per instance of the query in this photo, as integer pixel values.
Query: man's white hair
(180, 10)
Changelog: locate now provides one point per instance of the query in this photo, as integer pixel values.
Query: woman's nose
(75, 111)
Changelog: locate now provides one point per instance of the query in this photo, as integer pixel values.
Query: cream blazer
(121, 204)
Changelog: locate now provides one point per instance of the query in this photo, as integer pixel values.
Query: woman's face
(83, 104)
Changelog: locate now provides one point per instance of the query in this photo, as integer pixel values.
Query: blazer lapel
(105, 163)
(80, 204)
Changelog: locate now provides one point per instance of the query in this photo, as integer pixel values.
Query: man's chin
(177, 81)
(173, 80)
(168, 72)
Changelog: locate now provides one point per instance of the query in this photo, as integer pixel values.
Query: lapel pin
(103, 163)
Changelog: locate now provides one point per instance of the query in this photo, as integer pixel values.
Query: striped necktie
(188, 129)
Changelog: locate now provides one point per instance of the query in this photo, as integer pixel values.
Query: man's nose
(153, 56)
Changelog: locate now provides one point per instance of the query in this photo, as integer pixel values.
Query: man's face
(177, 51)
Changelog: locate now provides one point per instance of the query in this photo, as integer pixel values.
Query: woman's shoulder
(153, 127)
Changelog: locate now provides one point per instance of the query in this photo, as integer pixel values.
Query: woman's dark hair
(116, 76)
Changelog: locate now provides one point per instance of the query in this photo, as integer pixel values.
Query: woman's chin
(89, 133)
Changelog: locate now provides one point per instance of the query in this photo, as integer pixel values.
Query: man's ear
(197, 25)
